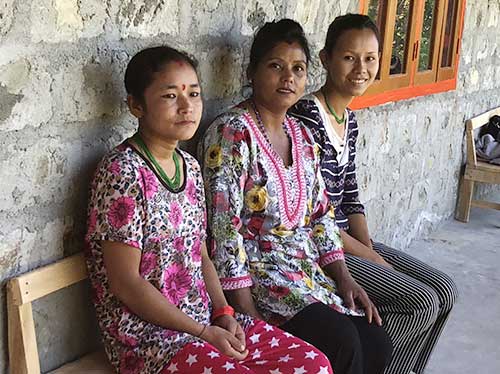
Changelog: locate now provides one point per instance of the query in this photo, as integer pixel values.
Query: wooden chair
(21, 291)
(476, 170)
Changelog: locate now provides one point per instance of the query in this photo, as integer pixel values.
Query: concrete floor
(470, 253)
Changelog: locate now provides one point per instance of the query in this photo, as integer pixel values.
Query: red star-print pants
(271, 351)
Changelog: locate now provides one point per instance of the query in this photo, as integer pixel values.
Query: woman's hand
(380, 260)
(226, 342)
(351, 291)
(230, 324)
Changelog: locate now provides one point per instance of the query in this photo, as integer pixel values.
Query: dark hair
(273, 33)
(143, 66)
(348, 22)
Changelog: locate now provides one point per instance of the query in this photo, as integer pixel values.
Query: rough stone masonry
(62, 106)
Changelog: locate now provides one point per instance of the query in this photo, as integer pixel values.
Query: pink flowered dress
(271, 226)
(129, 204)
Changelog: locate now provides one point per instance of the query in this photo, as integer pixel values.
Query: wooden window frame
(414, 83)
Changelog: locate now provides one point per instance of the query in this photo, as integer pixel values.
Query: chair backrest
(21, 291)
(474, 124)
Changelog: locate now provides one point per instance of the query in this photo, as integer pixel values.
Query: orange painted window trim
(412, 90)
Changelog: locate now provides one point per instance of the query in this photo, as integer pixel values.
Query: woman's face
(353, 63)
(172, 104)
(280, 77)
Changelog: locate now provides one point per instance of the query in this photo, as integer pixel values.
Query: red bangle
(225, 310)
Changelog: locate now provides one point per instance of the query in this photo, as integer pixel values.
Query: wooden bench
(21, 291)
(475, 170)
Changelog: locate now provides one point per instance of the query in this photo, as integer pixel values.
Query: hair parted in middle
(347, 22)
(273, 33)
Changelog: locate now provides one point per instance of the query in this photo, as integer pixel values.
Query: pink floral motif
(175, 214)
(191, 192)
(279, 291)
(236, 222)
(221, 203)
(92, 221)
(166, 333)
(133, 243)
(294, 275)
(130, 363)
(200, 285)
(197, 250)
(149, 182)
(148, 263)
(127, 340)
(177, 282)
(98, 292)
(179, 244)
(114, 168)
(121, 211)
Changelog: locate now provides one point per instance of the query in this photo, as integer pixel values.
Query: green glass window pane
(400, 39)
(428, 36)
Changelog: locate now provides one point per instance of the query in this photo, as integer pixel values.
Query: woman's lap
(351, 343)
(270, 350)
(440, 282)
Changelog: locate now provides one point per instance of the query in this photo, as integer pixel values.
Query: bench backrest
(471, 125)
(21, 291)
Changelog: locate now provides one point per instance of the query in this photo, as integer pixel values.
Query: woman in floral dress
(158, 300)
(273, 235)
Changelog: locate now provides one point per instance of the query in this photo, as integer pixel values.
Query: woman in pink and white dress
(158, 299)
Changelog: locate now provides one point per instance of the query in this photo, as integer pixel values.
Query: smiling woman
(414, 298)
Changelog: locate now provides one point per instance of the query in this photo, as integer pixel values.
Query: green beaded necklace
(339, 120)
(175, 182)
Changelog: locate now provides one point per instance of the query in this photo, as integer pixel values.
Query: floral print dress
(129, 204)
(271, 226)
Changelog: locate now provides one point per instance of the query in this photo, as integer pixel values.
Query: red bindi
(183, 87)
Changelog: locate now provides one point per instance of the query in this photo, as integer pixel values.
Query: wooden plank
(483, 176)
(485, 204)
(484, 118)
(23, 351)
(486, 166)
(464, 199)
(48, 279)
(471, 145)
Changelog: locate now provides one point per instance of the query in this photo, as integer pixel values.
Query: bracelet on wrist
(225, 310)
(202, 331)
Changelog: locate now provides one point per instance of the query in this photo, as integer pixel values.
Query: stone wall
(62, 106)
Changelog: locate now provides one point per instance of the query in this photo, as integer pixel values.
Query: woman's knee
(376, 346)
(447, 292)
(383, 351)
(429, 306)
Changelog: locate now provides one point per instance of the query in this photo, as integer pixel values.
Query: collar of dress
(291, 186)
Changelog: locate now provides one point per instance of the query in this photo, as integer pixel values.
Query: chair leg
(464, 199)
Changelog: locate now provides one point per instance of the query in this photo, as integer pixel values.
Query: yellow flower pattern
(319, 230)
(257, 199)
(213, 157)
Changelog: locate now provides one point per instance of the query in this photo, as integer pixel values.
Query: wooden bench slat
(48, 279)
(485, 204)
(23, 351)
(482, 119)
